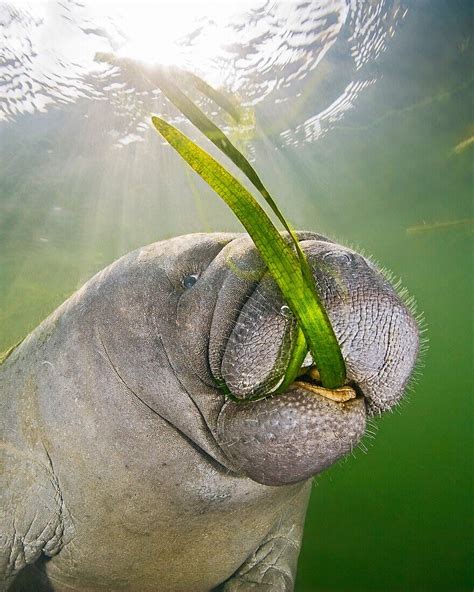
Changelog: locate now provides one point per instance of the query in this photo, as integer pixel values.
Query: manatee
(143, 446)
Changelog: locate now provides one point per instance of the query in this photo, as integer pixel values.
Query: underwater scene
(358, 117)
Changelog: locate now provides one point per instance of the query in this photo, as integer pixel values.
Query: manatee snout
(283, 438)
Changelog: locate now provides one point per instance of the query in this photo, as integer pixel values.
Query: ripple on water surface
(255, 50)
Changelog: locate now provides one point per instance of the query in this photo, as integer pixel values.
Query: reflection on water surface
(256, 50)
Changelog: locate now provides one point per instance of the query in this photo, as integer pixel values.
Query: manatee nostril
(340, 256)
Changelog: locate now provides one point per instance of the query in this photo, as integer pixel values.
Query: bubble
(285, 311)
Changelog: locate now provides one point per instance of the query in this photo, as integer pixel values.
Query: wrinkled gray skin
(125, 468)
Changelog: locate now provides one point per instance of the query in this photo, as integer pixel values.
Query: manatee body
(124, 467)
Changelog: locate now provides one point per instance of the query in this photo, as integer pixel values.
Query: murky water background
(359, 118)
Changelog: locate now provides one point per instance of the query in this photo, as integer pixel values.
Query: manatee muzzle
(282, 438)
(277, 438)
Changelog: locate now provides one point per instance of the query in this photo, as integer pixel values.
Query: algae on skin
(4, 355)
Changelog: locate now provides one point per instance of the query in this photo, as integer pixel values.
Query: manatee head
(216, 339)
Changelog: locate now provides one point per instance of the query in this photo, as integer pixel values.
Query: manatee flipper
(273, 565)
(32, 513)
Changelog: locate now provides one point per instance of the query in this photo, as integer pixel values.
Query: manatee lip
(289, 437)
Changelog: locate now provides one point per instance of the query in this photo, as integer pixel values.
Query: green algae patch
(289, 268)
(6, 354)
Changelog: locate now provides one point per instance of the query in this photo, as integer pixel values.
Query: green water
(398, 517)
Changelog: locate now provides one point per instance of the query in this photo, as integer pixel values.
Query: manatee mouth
(309, 380)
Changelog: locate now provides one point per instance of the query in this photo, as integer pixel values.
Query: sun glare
(170, 33)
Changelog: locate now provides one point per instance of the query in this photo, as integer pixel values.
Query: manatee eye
(190, 280)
